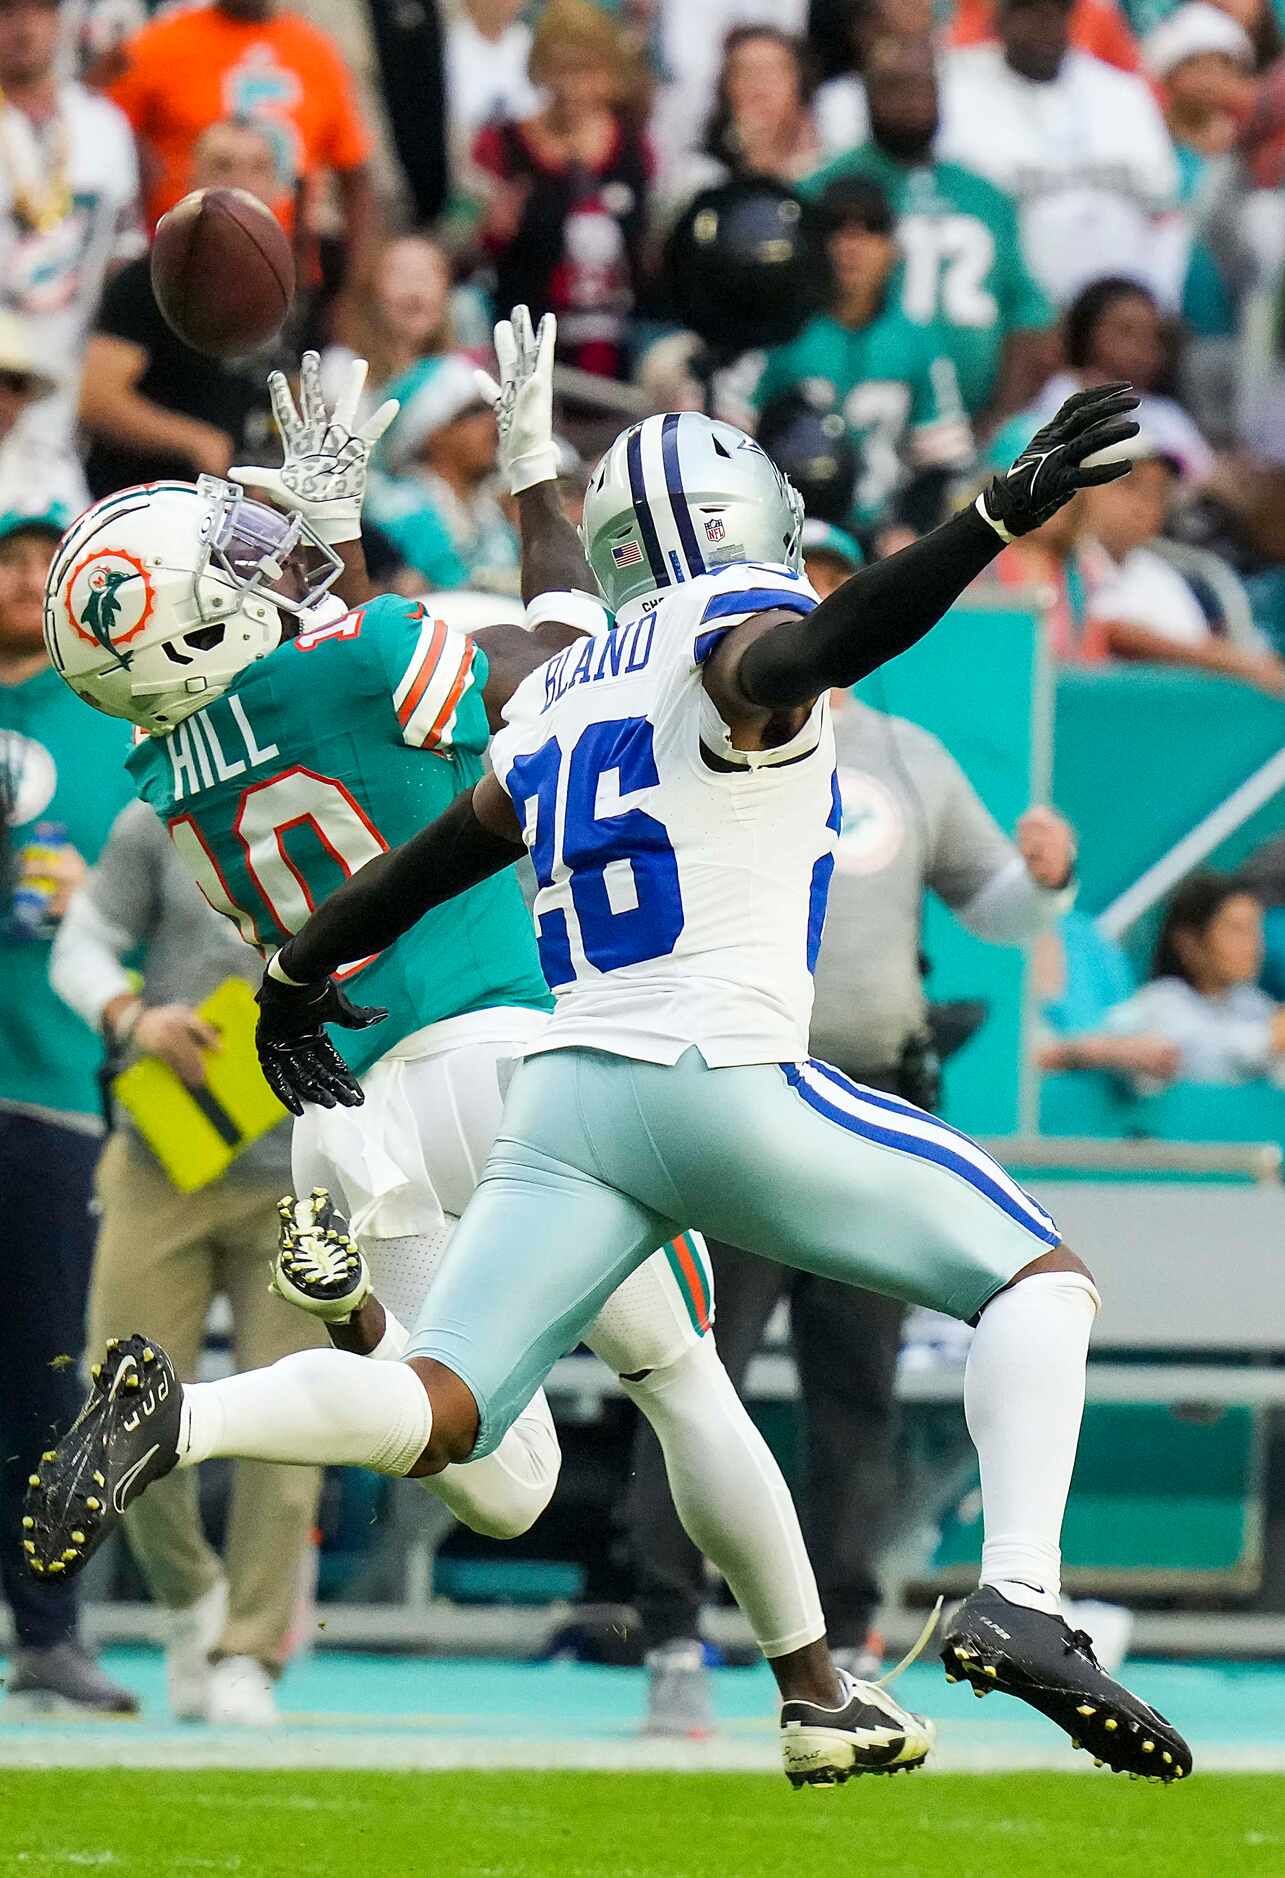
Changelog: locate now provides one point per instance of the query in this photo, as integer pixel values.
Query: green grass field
(570, 1825)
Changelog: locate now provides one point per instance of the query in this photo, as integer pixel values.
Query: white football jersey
(682, 882)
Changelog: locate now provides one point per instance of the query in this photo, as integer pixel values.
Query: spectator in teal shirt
(434, 496)
(888, 376)
(962, 264)
(62, 781)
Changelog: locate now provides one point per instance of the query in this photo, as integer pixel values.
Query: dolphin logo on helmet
(96, 607)
(160, 595)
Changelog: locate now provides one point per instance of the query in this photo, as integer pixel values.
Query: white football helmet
(160, 594)
(682, 495)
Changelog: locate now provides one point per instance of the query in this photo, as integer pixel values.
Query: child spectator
(434, 499)
(1203, 995)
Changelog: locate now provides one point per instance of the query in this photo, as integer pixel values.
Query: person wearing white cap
(1201, 59)
(433, 496)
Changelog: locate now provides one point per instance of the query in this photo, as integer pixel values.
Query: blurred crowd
(1004, 201)
(1007, 199)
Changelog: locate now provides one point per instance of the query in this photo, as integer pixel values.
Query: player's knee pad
(502, 1495)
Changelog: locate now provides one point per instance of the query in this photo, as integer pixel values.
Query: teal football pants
(600, 1159)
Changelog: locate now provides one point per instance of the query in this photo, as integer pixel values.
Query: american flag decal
(628, 554)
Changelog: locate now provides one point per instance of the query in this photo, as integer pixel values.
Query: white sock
(504, 1493)
(1023, 1401)
(324, 1408)
(731, 1496)
(391, 1347)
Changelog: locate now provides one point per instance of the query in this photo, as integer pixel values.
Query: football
(222, 272)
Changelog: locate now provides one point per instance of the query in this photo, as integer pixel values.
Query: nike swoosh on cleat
(127, 1479)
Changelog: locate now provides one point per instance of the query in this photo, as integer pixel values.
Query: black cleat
(125, 1437)
(994, 1644)
(869, 1733)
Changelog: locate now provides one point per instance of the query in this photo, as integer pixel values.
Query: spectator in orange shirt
(1097, 26)
(197, 66)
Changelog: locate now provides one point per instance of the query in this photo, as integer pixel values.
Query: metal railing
(1163, 875)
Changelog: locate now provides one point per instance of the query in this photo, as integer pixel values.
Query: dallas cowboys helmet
(160, 594)
(682, 495)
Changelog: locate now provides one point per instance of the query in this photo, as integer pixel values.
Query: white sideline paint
(303, 1746)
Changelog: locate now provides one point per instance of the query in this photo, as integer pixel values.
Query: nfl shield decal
(715, 528)
(109, 598)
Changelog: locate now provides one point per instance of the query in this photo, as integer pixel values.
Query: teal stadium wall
(1135, 757)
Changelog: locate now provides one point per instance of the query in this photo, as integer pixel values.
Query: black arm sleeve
(880, 612)
(386, 897)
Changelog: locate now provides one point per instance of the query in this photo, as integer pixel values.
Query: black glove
(299, 1062)
(1050, 469)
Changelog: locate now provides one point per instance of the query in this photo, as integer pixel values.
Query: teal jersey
(895, 386)
(60, 762)
(339, 745)
(963, 269)
(449, 544)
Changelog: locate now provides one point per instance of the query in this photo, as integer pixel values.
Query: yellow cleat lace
(915, 1651)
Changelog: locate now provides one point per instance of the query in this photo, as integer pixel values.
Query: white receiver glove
(323, 474)
(523, 400)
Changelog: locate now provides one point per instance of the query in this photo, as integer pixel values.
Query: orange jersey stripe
(406, 710)
(692, 1271)
(443, 717)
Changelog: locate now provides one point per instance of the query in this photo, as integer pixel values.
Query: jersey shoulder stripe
(427, 698)
(729, 609)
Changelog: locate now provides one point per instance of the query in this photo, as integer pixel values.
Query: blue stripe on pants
(897, 1105)
(939, 1151)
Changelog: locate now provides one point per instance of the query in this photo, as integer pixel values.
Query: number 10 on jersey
(614, 873)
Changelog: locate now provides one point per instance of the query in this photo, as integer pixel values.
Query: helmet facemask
(259, 550)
